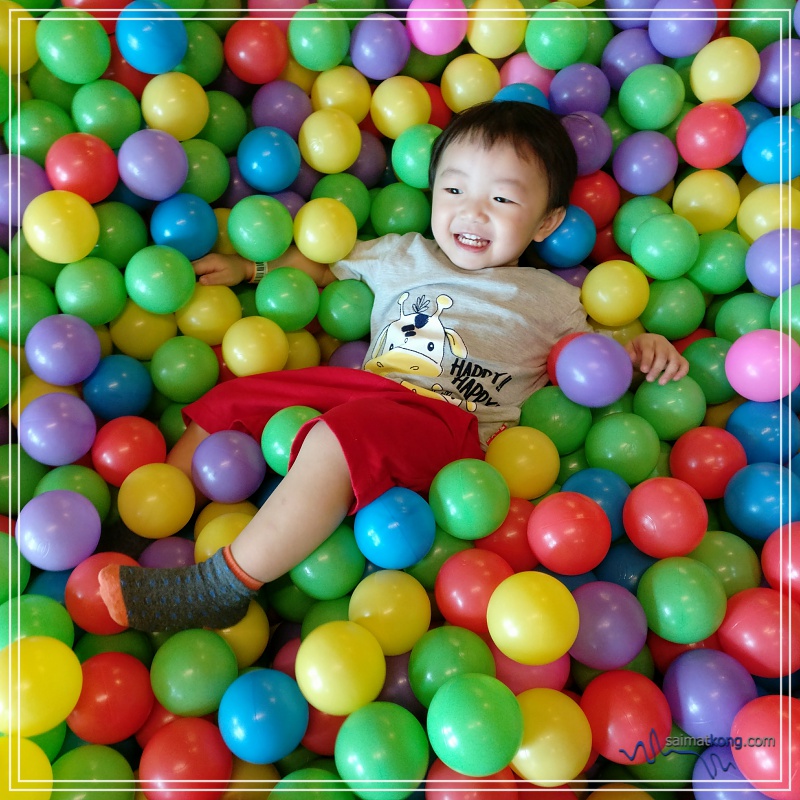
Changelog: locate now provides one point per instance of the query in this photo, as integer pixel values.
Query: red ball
(699, 333)
(441, 113)
(780, 560)
(121, 71)
(116, 699)
(82, 594)
(158, 718)
(521, 677)
(569, 533)
(707, 458)
(256, 50)
(665, 652)
(598, 195)
(464, 585)
(124, 444)
(629, 716)
(82, 164)
(105, 11)
(606, 247)
(555, 352)
(320, 735)
(665, 517)
(510, 540)
(711, 135)
(187, 759)
(761, 630)
(444, 783)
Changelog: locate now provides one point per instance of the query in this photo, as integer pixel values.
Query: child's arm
(231, 269)
(657, 358)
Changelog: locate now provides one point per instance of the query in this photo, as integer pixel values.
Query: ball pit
(145, 135)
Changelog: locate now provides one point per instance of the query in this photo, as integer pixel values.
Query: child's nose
(474, 211)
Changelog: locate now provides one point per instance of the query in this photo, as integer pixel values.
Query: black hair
(535, 132)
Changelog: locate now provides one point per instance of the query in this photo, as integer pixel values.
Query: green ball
(29, 262)
(731, 559)
(134, 643)
(19, 475)
(706, 359)
(288, 600)
(232, 11)
(334, 568)
(279, 433)
(191, 671)
(555, 41)
(651, 97)
(720, 264)
(672, 409)
(743, 313)
(309, 783)
(34, 127)
(600, 32)
(469, 498)
(345, 308)
(204, 57)
(315, 43)
(475, 724)
(288, 297)
(93, 765)
(108, 110)
(171, 424)
(15, 570)
(35, 615)
(260, 227)
(569, 465)
(52, 741)
(79, 479)
(620, 130)
(411, 154)
(632, 215)
(184, 368)
(625, 403)
(684, 601)
(160, 279)
(123, 233)
(425, 67)
(398, 208)
(674, 309)
(665, 246)
(209, 170)
(23, 302)
(9, 377)
(8, 95)
(46, 86)
(347, 189)
(756, 21)
(427, 568)
(624, 443)
(227, 121)
(92, 289)
(675, 765)
(325, 611)
(74, 47)
(785, 313)
(442, 653)
(565, 422)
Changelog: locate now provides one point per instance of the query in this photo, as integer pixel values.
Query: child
(459, 340)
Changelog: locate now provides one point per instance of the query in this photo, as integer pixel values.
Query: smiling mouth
(471, 242)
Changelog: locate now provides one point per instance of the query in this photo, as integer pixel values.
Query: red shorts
(390, 436)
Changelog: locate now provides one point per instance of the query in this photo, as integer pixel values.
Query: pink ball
(521, 68)
(763, 365)
(279, 11)
(436, 27)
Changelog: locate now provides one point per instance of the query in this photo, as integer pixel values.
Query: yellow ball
(299, 75)
(340, 667)
(223, 244)
(622, 334)
(215, 509)
(18, 51)
(325, 230)
(708, 198)
(139, 333)
(772, 206)
(25, 769)
(527, 459)
(251, 781)
(248, 638)
(468, 80)
(156, 500)
(327, 345)
(219, 532)
(615, 293)
(725, 70)
(496, 28)
(619, 791)
(343, 88)
(104, 335)
(556, 738)
(60, 226)
(254, 344)
(532, 618)
(209, 313)
(394, 607)
(398, 103)
(175, 103)
(31, 387)
(329, 140)
(41, 679)
(304, 350)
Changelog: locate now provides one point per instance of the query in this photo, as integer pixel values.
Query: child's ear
(550, 222)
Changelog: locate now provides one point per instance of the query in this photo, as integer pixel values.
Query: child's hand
(657, 358)
(218, 269)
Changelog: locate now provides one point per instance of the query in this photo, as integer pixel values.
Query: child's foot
(212, 594)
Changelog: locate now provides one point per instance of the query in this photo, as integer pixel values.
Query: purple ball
(349, 354)
(645, 162)
(627, 51)
(237, 189)
(778, 84)
(397, 687)
(62, 349)
(680, 28)
(371, 161)
(281, 104)
(228, 466)
(172, 551)
(57, 429)
(575, 276)
(591, 137)
(5, 427)
(307, 178)
(57, 530)
(705, 690)
(594, 370)
(629, 13)
(771, 262)
(613, 625)
(379, 46)
(153, 164)
(579, 87)
(291, 200)
(716, 776)
(21, 179)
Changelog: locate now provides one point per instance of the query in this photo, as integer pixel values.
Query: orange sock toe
(111, 593)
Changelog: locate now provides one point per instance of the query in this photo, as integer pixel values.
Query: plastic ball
(526, 458)
(555, 41)
(152, 164)
(679, 29)
(269, 159)
(25, 768)
(725, 70)
(779, 560)
(400, 102)
(60, 226)
(411, 154)
(707, 458)
(768, 153)
(615, 293)
(496, 35)
(315, 43)
(92, 289)
(711, 135)
(344, 310)
(651, 97)
(279, 434)
(209, 313)
(256, 50)
(530, 602)
(761, 365)
(329, 140)
(347, 189)
(672, 409)
(675, 309)
(228, 466)
(325, 230)
(62, 349)
(260, 227)
(56, 428)
(379, 46)
(254, 344)
(35, 615)
(344, 88)
(151, 37)
(436, 28)
(768, 263)
(625, 444)
(82, 164)
(571, 242)
(708, 199)
(468, 79)
(778, 70)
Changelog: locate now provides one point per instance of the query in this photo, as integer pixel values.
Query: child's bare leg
(181, 455)
(298, 516)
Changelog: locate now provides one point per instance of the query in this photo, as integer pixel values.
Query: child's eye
(503, 200)
(452, 190)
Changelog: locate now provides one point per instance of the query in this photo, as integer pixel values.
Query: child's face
(489, 205)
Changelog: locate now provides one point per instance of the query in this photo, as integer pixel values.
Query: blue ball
(151, 36)
(607, 489)
(753, 113)
(185, 222)
(624, 564)
(120, 386)
(761, 497)
(523, 93)
(395, 530)
(572, 582)
(262, 716)
(771, 152)
(571, 242)
(767, 431)
(268, 159)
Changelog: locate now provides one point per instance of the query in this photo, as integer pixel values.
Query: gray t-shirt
(477, 339)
